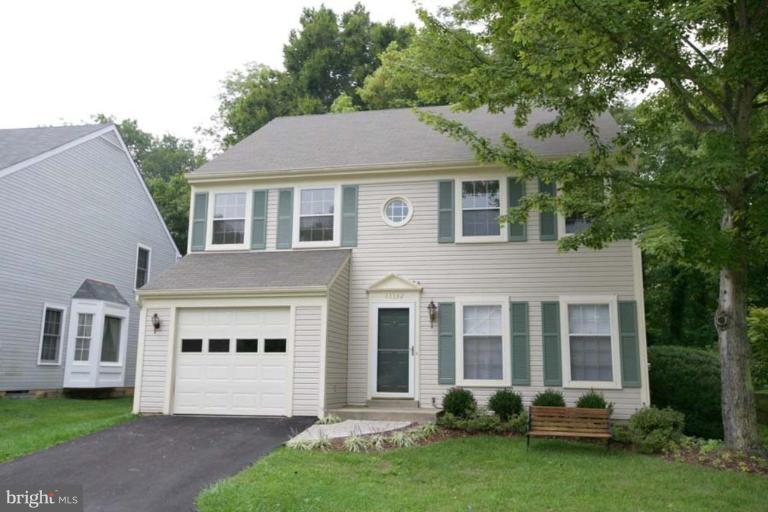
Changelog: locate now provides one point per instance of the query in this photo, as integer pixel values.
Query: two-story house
(349, 263)
(79, 233)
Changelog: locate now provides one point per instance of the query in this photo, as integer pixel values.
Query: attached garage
(245, 334)
(232, 361)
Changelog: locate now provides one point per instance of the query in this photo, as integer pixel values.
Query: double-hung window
(482, 349)
(575, 223)
(142, 266)
(83, 337)
(50, 344)
(317, 217)
(228, 227)
(110, 340)
(480, 203)
(590, 355)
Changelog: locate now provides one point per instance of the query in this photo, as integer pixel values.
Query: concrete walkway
(350, 427)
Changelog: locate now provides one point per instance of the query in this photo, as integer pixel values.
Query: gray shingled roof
(19, 144)
(99, 290)
(251, 270)
(381, 137)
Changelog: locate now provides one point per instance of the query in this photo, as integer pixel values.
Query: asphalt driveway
(155, 463)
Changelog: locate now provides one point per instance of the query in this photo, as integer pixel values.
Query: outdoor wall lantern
(155, 322)
(432, 308)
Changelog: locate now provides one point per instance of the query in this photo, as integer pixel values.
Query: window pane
(480, 223)
(316, 229)
(397, 211)
(83, 338)
(142, 267)
(51, 335)
(110, 341)
(589, 319)
(191, 345)
(317, 201)
(576, 224)
(229, 206)
(228, 231)
(220, 345)
(483, 358)
(480, 194)
(275, 345)
(482, 320)
(248, 345)
(591, 358)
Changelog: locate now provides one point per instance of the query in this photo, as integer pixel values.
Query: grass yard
(482, 473)
(27, 426)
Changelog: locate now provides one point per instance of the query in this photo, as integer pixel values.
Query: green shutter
(285, 218)
(630, 351)
(446, 343)
(547, 220)
(550, 337)
(445, 212)
(199, 221)
(515, 192)
(259, 220)
(349, 215)
(518, 314)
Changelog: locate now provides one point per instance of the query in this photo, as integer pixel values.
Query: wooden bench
(568, 422)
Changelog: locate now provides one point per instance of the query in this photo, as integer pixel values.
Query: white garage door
(232, 361)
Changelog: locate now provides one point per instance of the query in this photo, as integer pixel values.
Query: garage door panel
(232, 383)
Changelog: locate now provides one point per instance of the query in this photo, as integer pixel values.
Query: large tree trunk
(738, 402)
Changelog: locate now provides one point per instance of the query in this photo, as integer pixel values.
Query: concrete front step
(368, 413)
(392, 403)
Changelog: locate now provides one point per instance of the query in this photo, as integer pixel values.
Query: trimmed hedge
(688, 380)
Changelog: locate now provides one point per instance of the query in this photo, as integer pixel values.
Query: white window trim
(121, 312)
(209, 245)
(63, 309)
(565, 347)
(387, 220)
(149, 264)
(458, 219)
(503, 302)
(336, 242)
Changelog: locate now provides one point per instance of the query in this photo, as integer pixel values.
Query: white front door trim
(373, 337)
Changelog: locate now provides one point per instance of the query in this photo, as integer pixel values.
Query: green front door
(393, 361)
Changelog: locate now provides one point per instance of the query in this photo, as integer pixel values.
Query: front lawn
(27, 426)
(482, 473)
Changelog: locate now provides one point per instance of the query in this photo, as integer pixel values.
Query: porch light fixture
(155, 322)
(432, 309)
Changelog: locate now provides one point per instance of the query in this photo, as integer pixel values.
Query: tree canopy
(328, 58)
(687, 175)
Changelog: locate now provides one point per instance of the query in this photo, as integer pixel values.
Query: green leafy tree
(343, 104)
(687, 176)
(163, 162)
(327, 58)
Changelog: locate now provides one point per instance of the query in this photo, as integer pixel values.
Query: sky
(159, 62)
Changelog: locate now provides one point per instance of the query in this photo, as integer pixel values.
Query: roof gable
(382, 138)
(20, 144)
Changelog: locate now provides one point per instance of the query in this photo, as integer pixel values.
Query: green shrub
(482, 423)
(460, 402)
(505, 403)
(519, 424)
(688, 380)
(449, 421)
(593, 400)
(549, 398)
(655, 430)
(621, 434)
(758, 339)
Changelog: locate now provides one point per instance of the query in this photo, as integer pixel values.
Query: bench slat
(569, 422)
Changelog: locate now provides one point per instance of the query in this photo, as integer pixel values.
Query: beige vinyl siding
(155, 362)
(306, 360)
(336, 344)
(532, 271)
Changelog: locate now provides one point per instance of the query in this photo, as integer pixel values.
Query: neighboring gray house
(353, 263)
(79, 232)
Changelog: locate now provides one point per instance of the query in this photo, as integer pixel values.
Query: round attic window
(397, 212)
